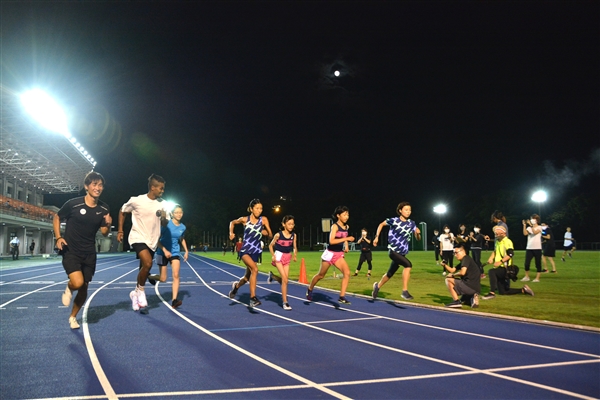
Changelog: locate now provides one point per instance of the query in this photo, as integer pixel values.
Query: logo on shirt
(82, 211)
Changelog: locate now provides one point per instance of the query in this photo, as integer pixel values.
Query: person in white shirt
(14, 248)
(534, 246)
(569, 244)
(148, 215)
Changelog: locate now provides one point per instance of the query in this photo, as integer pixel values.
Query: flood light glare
(540, 196)
(45, 110)
(439, 209)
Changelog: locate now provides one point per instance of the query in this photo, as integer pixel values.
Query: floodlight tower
(439, 210)
(539, 197)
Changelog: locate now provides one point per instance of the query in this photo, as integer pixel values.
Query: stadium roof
(28, 152)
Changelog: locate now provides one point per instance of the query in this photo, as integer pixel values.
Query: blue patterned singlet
(252, 237)
(399, 235)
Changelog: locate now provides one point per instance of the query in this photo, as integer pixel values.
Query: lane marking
(421, 356)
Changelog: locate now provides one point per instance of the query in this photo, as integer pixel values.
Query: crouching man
(469, 284)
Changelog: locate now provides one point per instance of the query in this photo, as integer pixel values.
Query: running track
(215, 347)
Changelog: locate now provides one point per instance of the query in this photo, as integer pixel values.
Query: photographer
(365, 253)
(470, 282)
(501, 257)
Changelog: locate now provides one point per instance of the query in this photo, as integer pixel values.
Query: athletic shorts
(283, 258)
(162, 261)
(85, 263)
(462, 288)
(139, 247)
(332, 256)
(253, 256)
(569, 247)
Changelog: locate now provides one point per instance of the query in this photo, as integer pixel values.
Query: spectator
(447, 248)
(477, 240)
(534, 246)
(470, 283)
(32, 247)
(435, 241)
(14, 248)
(502, 257)
(548, 247)
(569, 244)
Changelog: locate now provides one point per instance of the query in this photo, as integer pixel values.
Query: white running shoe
(66, 296)
(73, 323)
(141, 296)
(134, 300)
(270, 278)
(286, 306)
(526, 279)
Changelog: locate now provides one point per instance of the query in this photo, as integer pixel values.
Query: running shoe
(570, 256)
(444, 273)
(176, 303)
(482, 276)
(544, 271)
(309, 294)
(489, 296)
(343, 300)
(355, 274)
(141, 296)
(406, 295)
(66, 296)
(553, 272)
(233, 290)
(562, 258)
(134, 300)
(527, 290)
(286, 306)
(525, 279)
(454, 304)
(255, 302)
(270, 278)
(368, 274)
(73, 323)
(535, 280)
(475, 301)
(152, 280)
(375, 290)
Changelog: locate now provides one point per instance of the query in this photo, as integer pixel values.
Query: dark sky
(234, 100)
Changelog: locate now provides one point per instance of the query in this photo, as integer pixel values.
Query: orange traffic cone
(302, 278)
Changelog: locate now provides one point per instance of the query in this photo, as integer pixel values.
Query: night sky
(435, 102)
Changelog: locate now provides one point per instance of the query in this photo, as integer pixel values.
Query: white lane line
(60, 271)
(104, 382)
(432, 359)
(253, 356)
(54, 284)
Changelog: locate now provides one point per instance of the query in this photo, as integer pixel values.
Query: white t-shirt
(534, 238)
(568, 237)
(446, 241)
(145, 219)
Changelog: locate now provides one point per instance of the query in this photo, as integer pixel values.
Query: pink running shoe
(134, 300)
(141, 296)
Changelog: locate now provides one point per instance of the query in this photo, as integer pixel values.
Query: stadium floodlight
(539, 197)
(439, 210)
(170, 205)
(46, 111)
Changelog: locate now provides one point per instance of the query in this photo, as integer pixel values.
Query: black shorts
(162, 261)
(253, 256)
(84, 263)
(139, 247)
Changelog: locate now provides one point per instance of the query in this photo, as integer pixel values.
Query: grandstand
(33, 162)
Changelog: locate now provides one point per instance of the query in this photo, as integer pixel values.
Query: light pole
(539, 197)
(439, 210)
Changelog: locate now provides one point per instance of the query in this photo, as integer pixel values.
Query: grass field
(571, 296)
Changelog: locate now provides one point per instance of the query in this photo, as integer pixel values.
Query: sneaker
(375, 290)
(482, 276)
(525, 279)
(355, 274)
(475, 301)
(134, 300)
(562, 258)
(176, 303)
(343, 300)
(570, 255)
(454, 304)
(368, 274)
(141, 296)
(233, 290)
(444, 273)
(309, 294)
(73, 323)
(254, 302)
(527, 290)
(406, 295)
(544, 271)
(152, 279)
(553, 272)
(535, 280)
(66, 297)
(270, 278)
(286, 306)
(489, 296)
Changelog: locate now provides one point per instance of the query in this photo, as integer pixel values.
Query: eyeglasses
(457, 251)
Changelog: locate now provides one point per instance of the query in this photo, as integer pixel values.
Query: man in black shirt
(470, 282)
(83, 216)
(365, 252)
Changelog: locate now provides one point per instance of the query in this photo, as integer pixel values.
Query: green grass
(571, 296)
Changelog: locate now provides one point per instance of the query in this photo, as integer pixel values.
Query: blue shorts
(253, 256)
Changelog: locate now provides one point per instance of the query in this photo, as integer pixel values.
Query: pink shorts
(332, 256)
(284, 258)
